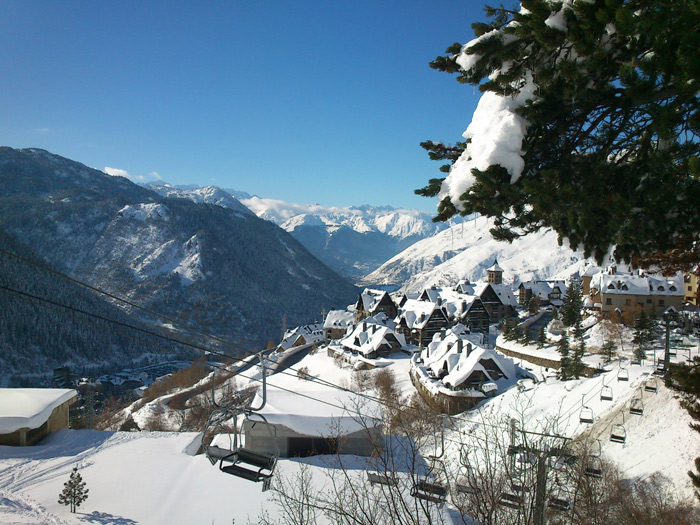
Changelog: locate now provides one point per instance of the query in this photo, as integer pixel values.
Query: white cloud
(116, 172)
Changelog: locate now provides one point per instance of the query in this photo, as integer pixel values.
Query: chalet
(547, 292)
(29, 414)
(453, 374)
(420, 320)
(460, 306)
(372, 340)
(300, 336)
(634, 292)
(341, 424)
(336, 324)
(498, 300)
(372, 302)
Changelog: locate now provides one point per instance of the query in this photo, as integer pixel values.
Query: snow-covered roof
(637, 284)
(504, 293)
(29, 407)
(368, 337)
(495, 267)
(371, 298)
(322, 413)
(417, 313)
(311, 333)
(338, 319)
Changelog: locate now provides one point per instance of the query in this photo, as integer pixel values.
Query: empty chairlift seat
(623, 375)
(586, 416)
(606, 394)
(429, 491)
(618, 434)
(651, 385)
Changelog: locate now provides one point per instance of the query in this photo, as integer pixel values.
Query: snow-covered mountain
(207, 195)
(467, 249)
(219, 269)
(353, 240)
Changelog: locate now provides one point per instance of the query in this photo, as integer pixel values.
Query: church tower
(495, 273)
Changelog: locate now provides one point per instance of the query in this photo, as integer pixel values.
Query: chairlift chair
(559, 503)
(637, 406)
(376, 478)
(236, 459)
(510, 500)
(429, 491)
(606, 394)
(651, 385)
(623, 375)
(618, 434)
(586, 415)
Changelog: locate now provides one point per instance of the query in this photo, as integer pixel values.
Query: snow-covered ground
(155, 477)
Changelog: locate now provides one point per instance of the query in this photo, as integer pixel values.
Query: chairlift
(468, 489)
(618, 434)
(606, 394)
(236, 459)
(560, 504)
(637, 406)
(651, 385)
(427, 488)
(586, 415)
(376, 478)
(623, 375)
(429, 491)
(594, 468)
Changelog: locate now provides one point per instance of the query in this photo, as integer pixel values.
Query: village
(328, 388)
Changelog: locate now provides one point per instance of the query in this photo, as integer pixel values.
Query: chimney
(469, 349)
(442, 334)
(459, 346)
(364, 326)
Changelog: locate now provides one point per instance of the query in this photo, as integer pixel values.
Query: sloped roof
(367, 338)
(417, 313)
(29, 407)
(371, 298)
(338, 319)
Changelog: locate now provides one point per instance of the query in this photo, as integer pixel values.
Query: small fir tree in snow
(565, 362)
(643, 335)
(74, 491)
(577, 366)
(541, 337)
(609, 351)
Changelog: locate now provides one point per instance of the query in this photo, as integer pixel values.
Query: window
(672, 288)
(661, 302)
(608, 301)
(661, 288)
(628, 302)
(611, 286)
(624, 287)
(648, 301)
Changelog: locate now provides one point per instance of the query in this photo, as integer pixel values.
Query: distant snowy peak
(207, 195)
(397, 223)
(467, 249)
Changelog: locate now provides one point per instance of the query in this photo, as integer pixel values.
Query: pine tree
(609, 98)
(577, 366)
(564, 372)
(541, 337)
(609, 351)
(74, 491)
(643, 335)
(571, 310)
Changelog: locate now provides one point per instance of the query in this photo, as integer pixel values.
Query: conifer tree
(643, 335)
(565, 361)
(577, 366)
(609, 351)
(571, 310)
(605, 96)
(541, 337)
(74, 492)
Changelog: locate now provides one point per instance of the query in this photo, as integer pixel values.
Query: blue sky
(310, 102)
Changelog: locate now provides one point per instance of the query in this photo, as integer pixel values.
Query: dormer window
(661, 288)
(624, 287)
(611, 286)
(672, 288)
